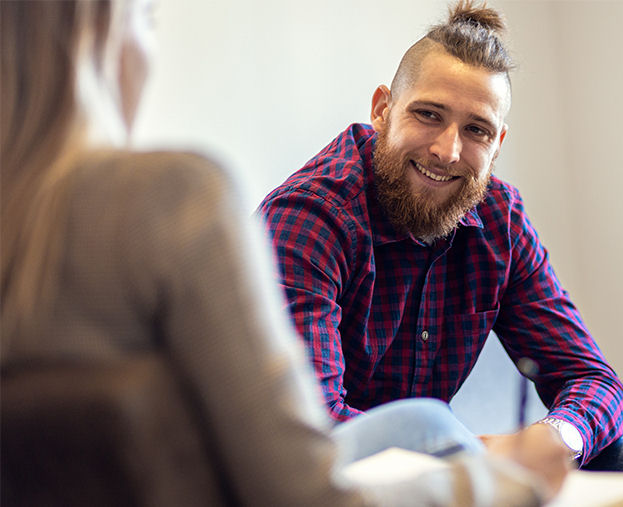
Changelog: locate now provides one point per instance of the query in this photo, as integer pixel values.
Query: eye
(426, 115)
(478, 131)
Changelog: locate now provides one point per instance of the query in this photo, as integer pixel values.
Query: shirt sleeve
(315, 243)
(538, 320)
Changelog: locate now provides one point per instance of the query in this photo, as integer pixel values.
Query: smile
(432, 176)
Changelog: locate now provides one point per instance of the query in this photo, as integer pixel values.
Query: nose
(447, 146)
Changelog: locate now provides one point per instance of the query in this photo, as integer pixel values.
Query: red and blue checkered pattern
(385, 316)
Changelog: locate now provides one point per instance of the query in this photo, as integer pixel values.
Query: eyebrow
(437, 105)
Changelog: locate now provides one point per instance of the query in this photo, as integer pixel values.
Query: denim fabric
(424, 425)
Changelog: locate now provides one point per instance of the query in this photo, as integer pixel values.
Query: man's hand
(539, 448)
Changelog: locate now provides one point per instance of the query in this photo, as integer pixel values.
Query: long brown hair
(42, 130)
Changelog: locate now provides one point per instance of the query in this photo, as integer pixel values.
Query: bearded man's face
(421, 211)
(437, 143)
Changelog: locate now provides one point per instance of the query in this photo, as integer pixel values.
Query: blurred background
(263, 86)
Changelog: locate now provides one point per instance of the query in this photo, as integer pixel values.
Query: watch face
(571, 436)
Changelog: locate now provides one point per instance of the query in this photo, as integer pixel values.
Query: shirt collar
(471, 219)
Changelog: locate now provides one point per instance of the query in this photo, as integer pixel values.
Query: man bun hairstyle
(465, 12)
(473, 33)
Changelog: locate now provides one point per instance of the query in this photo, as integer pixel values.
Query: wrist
(568, 433)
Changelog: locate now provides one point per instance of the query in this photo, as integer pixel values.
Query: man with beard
(399, 252)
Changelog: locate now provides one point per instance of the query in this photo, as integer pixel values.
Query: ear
(502, 137)
(381, 102)
(503, 134)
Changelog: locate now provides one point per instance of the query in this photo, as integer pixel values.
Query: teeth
(431, 175)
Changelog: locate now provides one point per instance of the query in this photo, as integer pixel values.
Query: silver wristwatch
(569, 434)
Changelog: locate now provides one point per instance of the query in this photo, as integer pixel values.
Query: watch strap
(569, 434)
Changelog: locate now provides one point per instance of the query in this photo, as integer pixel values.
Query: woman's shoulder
(153, 180)
(145, 192)
(169, 170)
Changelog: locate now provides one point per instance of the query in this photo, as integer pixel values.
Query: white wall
(265, 85)
(566, 149)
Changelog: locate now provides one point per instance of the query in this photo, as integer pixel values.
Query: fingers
(537, 448)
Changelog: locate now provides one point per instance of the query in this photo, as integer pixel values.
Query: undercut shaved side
(473, 34)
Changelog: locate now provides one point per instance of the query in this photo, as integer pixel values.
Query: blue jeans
(419, 424)
(428, 425)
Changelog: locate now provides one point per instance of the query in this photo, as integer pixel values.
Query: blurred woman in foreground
(106, 251)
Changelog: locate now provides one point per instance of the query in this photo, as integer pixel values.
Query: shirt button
(425, 335)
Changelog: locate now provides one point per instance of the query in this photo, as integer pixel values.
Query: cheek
(480, 161)
(404, 144)
(137, 64)
(399, 136)
(134, 69)
(137, 51)
(414, 141)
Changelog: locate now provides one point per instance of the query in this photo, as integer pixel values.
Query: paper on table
(590, 489)
(392, 465)
(581, 489)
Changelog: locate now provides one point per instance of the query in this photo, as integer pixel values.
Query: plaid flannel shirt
(385, 316)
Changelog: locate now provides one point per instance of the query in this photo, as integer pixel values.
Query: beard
(418, 212)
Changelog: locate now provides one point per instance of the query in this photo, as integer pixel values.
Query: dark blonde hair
(473, 33)
(42, 132)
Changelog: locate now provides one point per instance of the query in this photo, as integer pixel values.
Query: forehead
(459, 87)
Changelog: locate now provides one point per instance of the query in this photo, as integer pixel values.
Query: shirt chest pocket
(461, 342)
